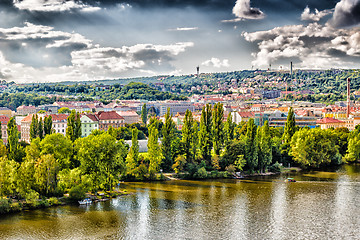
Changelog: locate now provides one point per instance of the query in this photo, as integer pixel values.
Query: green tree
(205, 139)
(144, 114)
(48, 125)
(73, 130)
(102, 159)
(132, 159)
(188, 137)
(251, 155)
(64, 110)
(353, 149)
(265, 147)
(290, 127)
(34, 127)
(229, 128)
(46, 169)
(40, 129)
(0, 131)
(218, 128)
(168, 132)
(14, 149)
(154, 154)
(7, 176)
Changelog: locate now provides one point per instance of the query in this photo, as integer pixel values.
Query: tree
(34, 127)
(40, 129)
(59, 147)
(217, 127)
(14, 149)
(73, 130)
(188, 136)
(132, 159)
(314, 148)
(265, 148)
(7, 176)
(179, 163)
(353, 149)
(0, 131)
(205, 140)
(64, 110)
(168, 132)
(46, 169)
(102, 159)
(251, 155)
(154, 153)
(48, 125)
(290, 128)
(229, 129)
(144, 114)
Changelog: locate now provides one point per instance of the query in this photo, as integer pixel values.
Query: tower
(348, 98)
(197, 70)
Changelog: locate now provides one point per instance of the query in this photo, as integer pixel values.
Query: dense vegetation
(54, 164)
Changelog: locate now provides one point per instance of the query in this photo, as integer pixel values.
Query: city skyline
(48, 41)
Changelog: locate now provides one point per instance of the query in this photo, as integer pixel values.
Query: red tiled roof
(28, 118)
(109, 115)
(246, 114)
(59, 117)
(328, 120)
(93, 117)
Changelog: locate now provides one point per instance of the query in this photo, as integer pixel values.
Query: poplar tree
(218, 127)
(0, 131)
(73, 130)
(154, 152)
(144, 114)
(13, 140)
(168, 132)
(187, 136)
(229, 129)
(34, 127)
(132, 158)
(40, 129)
(47, 125)
(251, 145)
(265, 149)
(290, 129)
(205, 141)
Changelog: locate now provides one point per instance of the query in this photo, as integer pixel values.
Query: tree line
(53, 164)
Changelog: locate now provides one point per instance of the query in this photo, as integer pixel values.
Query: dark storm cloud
(347, 13)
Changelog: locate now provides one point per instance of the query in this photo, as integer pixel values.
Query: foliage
(201, 173)
(217, 127)
(73, 130)
(179, 164)
(77, 193)
(132, 159)
(154, 154)
(205, 135)
(144, 114)
(168, 132)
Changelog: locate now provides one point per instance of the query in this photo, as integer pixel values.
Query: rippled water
(320, 205)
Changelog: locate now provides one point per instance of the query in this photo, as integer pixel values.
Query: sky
(71, 40)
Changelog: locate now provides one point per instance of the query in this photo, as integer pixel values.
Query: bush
(5, 205)
(53, 201)
(16, 207)
(230, 169)
(201, 173)
(32, 198)
(77, 193)
(161, 177)
(275, 168)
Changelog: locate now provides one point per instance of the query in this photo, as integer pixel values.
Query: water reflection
(321, 205)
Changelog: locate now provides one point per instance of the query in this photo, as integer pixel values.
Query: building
(25, 128)
(326, 123)
(4, 121)
(176, 107)
(129, 116)
(89, 122)
(6, 111)
(107, 119)
(59, 123)
(238, 117)
(26, 110)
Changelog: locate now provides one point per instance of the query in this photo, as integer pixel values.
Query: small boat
(290, 180)
(85, 201)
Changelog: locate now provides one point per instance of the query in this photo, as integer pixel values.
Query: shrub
(32, 198)
(16, 207)
(275, 168)
(5, 205)
(230, 169)
(161, 177)
(53, 201)
(77, 193)
(201, 173)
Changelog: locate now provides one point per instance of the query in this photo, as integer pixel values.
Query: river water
(320, 205)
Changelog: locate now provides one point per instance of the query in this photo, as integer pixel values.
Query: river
(320, 205)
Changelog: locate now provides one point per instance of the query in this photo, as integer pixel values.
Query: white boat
(85, 201)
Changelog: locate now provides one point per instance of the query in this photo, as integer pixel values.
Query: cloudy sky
(59, 40)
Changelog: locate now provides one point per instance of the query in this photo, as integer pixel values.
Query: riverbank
(9, 205)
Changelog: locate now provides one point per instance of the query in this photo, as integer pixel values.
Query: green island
(55, 169)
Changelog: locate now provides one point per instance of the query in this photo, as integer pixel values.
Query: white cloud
(346, 13)
(53, 5)
(316, 16)
(184, 29)
(242, 10)
(217, 63)
(313, 45)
